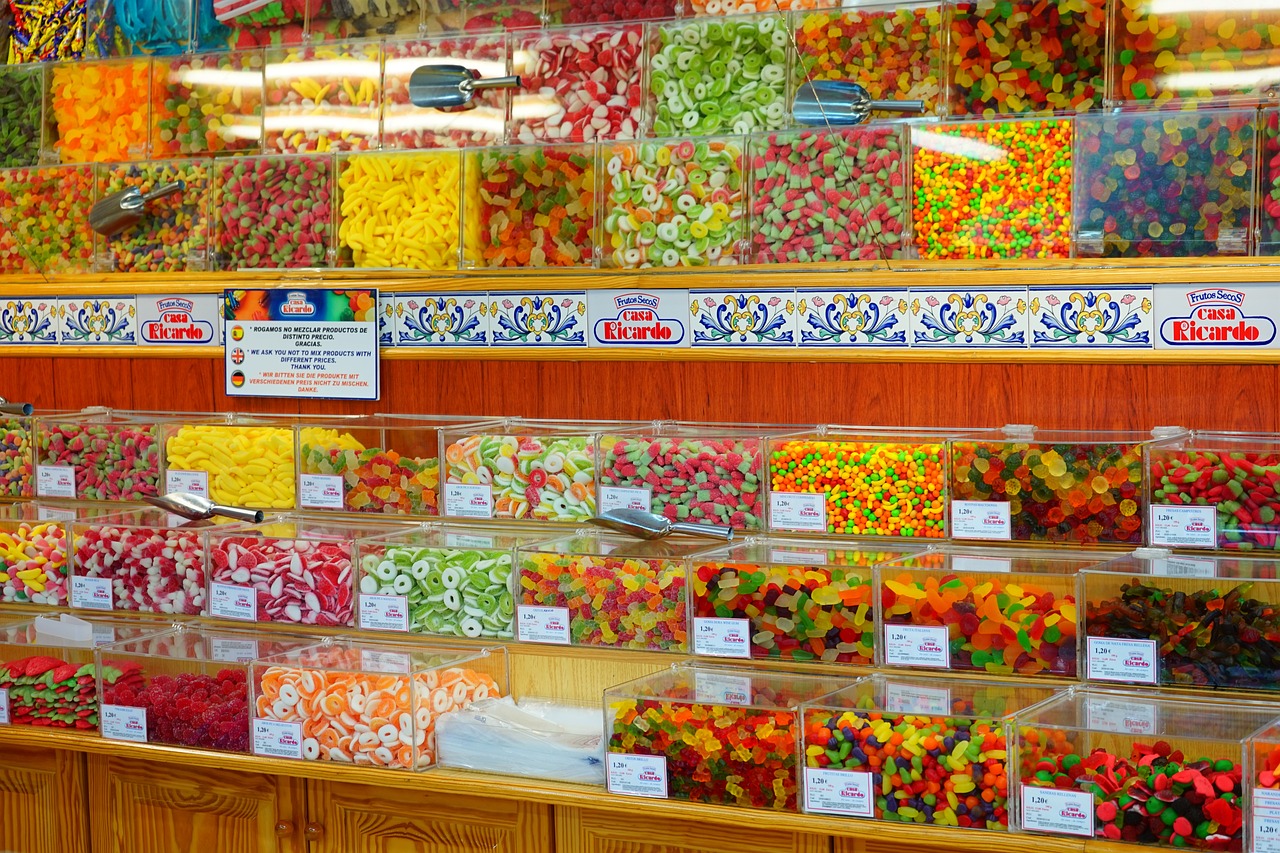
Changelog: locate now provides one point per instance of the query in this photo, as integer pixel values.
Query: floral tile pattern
(441, 319)
(969, 319)
(1118, 316)
(538, 319)
(850, 318)
(29, 321)
(386, 319)
(758, 318)
(92, 320)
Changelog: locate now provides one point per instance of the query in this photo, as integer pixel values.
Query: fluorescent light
(1194, 7)
(224, 77)
(404, 66)
(1195, 81)
(333, 123)
(351, 69)
(478, 120)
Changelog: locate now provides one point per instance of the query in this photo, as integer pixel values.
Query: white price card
(398, 663)
(798, 511)
(227, 601)
(233, 651)
(917, 645)
(55, 481)
(798, 558)
(980, 520)
(1120, 660)
(542, 624)
(103, 634)
(961, 563)
(841, 792)
(720, 688)
(1174, 526)
(722, 638)
(122, 723)
(463, 541)
(191, 482)
(1184, 567)
(49, 513)
(4, 706)
(637, 775)
(1266, 821)
(320, 491)
(276, 739)
(907, 698)
(1120, 716)
(91, 593)
(1057, 810)
(384, 612)
(468, 500)
(623, 497)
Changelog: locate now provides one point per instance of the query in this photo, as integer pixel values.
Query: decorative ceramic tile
(386, 319)
(969, 319)
(538, 319)
(442, 319)
(29, 321)
(105, 320)
(638, 318)
(852, 318)
(178, 319)
(1110, 317)
(757, 318)
(1216, 316)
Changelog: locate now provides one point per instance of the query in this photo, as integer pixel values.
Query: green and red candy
(50, 692)
(1241, 487)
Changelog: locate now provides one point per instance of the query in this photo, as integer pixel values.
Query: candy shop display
(323, 97)
(1171, 184)
(580, 84)
(17, 448)
(674, 203)
(605, 590)
(914, 751)
(1217, 490)
(609, 11)
(993, 189)
(1155, 771)
(246, 25)
(1263, 773)
(138, 27)
(407, 126)
(247, 462)
(44, 216)
(208, 103)
(174, 235)
(726, 736)
(563, 743)
(1166, 619)
(1017, 56)
(829, 195)
(22, 115)
(34, 559)
(367, 704)
(990, 611)
(272, 212)
(787, 599)
(99, 455)
(1269, 182)
(100, 110)
(363, 19)
(719, 75)
(1047, 486)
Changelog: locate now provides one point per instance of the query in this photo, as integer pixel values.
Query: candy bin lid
(960, 559)
(766, 690)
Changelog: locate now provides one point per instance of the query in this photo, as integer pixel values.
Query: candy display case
(1165, 184)
(44, 226)
(1262, 771)
(1154, 617)
(304, 701)
(127, 28)
(208, 103)
(367, 20)
(605, 590)
(34, 557)
(17, 456)
(787, 599)
(1149, 770)
(246, 461)
(23, 118)
(323, 97)
(990, 611)
(174, 235)
(248, 24)
(717, 735)
(100, 110)
(407, 126)
(272, 212)
(1216, 490)
(609, 11)
(914, 751)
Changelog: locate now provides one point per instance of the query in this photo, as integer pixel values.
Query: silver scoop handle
(7, 408)
(239, 513)
(493, 83)
(710, 531)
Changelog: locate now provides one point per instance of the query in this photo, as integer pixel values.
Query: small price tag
(320, 491)
(981, 520)
(468, 501)
(384, 612)
(798, 558)
(1175, 526)
(637, 775)
(397, 663)
(4, 706)
(1121, 660)
(840, 792)
(1266, 821)
(719, 688)
(960, 563)
(276, 739)
(917, 645)
(798, 511)
(466, 541)
(1121, 717)
(55, 481)
(233, 651)
(49, 513)
(911, 699)
(103, 634)
(191, 482)
(722, 638)
(542, 624)
(91, 593)
(623, 497)
(1183, 567)
(1057, 810)
(122, 723)
(233, 602)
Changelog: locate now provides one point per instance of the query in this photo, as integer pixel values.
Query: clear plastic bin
(406, 126)
(174, 234)
(272, 212)
(557, 741)
(23, 116)
(44, 212)
(34, 558)
(323, 97)
(101, 110)
(209, 103)
(1264, 799)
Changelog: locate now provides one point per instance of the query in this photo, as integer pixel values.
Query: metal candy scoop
(124, 209)
(452, 87)
(649, 525)
(838, 102)
(7, 408)
(198, 507)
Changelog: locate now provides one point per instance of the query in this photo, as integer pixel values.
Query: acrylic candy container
(34, 559)
(246, 461)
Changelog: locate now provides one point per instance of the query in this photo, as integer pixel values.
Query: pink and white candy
(296, 580)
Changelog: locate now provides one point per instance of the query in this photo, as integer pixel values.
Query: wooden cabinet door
(143, 806)
(45, 800)
(347, 818)
(590, 831)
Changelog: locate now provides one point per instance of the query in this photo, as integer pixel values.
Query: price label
(320, 491)
(103, 634)
(1183, 567)
(1002, 565)
(798, 558)
(1266, 821)
(390, 662)
(903, 698)
(917, 645)
(1057, 810)
(122, 723)
(719, 688)
(542, 624)
(4, 706)
(798, 511)
(91, 593)
(55, 481)
(49, 513)
(722, 638)
(465, 540)
(384, 612)
(637, 775)
(233, 602)
(623, 497)
(233, 651)
(191, 482)
(981, 520)
(276, 739)
(1121, 660)
(468, 501)
(1121, 717)
(1184, 526)
(841, 792)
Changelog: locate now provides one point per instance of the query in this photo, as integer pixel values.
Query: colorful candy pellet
(46, 221)
(336, 107)
(16, 457)
(407, 126)
(101, 110)
(173, 236)
(272, 212)
(207, 103)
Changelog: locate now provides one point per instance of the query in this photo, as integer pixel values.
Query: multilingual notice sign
(300, 342)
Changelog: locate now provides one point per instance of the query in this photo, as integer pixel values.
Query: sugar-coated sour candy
(46, 221)
(200, 710)
(249, 466)
(407, 126)
(609, 11)
(33, 560)
(113, 460)
(208, 103)
(543, 476)
(100, 109)
(1240, 483)
(153, 568)
(16, 441)
(272, 212)
(56, 693)
(1269, 183)
(22, 119)
(374, 479)
(336, 107)
(173, 236)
